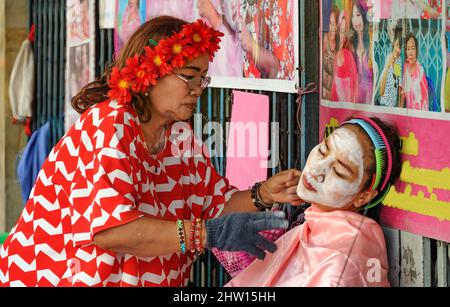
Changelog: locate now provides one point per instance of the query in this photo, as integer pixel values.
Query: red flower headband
(142, 71)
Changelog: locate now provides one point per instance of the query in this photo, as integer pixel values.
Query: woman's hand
(282, 188)
(240, 232)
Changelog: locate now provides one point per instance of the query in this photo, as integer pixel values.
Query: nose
(318, 174)
(196, 92)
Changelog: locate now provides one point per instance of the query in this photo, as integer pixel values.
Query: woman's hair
(416, 43)
(334, 11)
(97, 91)
(398, 32)
(366, 38)
(394, 142)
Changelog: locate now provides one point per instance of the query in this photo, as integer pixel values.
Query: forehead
(201, 62)
(355, 132)
(411, 41)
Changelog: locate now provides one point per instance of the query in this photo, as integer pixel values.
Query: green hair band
(153, 42)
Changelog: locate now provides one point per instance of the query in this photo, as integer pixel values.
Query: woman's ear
(364, 198)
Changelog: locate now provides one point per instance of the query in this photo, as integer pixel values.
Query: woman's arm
(207, 10)
(384, 75)
(264, 59)
(281, 187)
(145, 237)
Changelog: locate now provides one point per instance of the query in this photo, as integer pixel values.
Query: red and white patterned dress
(100, 176)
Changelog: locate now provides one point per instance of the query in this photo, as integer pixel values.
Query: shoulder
(106, 121)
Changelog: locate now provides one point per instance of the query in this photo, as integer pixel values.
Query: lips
(307, 185)
(191, 106)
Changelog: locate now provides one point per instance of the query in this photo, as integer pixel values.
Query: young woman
(330, 47)
(345, 80)
(349, 172)
(361, 49)
(391, 76)
(415, 84)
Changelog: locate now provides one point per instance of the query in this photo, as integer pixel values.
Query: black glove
(239, 232)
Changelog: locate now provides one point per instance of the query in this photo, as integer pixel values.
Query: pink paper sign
(248, 140)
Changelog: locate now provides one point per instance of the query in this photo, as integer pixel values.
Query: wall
(13, 30)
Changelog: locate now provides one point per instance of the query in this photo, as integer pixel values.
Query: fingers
(297, 202)
(258, 253)
(292, 190)
(293, 178)
(270, 223)
(266, 244)
(268, 215)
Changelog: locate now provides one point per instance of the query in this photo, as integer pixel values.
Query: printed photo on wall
(259, 49)
(130, 14)
(347, 73)
(447, 74)
(407, 9)
(78, 21)
(409, 63)
(80, 52)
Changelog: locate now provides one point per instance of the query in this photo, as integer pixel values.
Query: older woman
(128, 197)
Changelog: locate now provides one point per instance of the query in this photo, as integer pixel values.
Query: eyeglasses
(195, 82)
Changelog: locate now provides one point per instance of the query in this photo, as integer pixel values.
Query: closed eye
(338, 174)
(188, 77)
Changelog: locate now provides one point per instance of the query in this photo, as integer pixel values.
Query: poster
(107, 14)
(259, 49)
(130, 15)
(80, 52)
(389, 60)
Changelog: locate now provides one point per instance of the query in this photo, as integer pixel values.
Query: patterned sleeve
(111, 201)
(218, 191)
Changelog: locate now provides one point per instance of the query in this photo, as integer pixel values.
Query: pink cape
(316, 254)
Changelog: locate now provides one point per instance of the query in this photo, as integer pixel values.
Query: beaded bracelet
(181, 236)
(198, 236)
(256, 198)
(192, 236)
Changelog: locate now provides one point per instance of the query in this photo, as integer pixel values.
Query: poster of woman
(130, 14)
(408, 59)
(80, 52)
(260, 47)
(347, 51)
(407, 9)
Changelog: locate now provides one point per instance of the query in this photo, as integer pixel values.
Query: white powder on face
(333, 191)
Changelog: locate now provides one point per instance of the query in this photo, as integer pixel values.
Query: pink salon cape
(338, 248)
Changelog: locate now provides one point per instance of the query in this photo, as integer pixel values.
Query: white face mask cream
(334, 171)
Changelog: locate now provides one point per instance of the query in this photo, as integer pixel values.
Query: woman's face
(334, 172)
(333, 25)
(133, 4)
(357, 20)
(411, 52)
(171, 99)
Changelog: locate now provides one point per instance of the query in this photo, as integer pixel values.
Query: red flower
(198, 35)
(177, 48)
(119, 84)
(156, 59)
(214, 43)
(141, 77)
